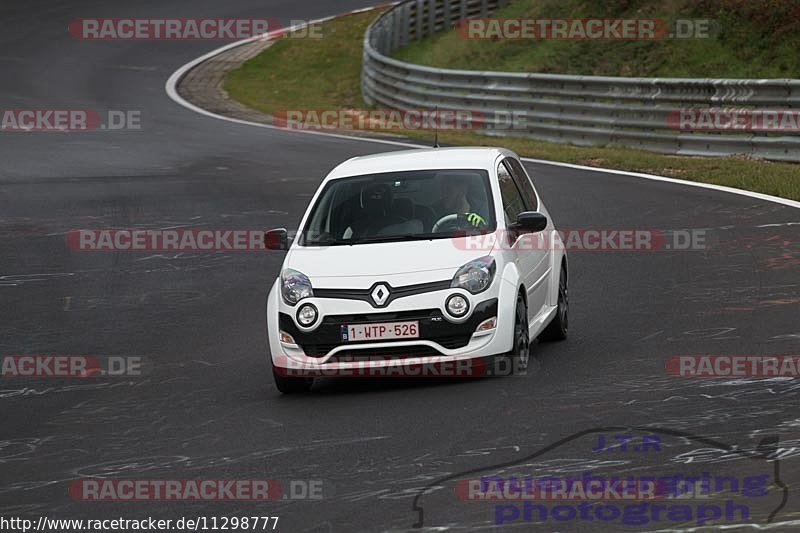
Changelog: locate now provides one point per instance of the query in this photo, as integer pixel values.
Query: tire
(289, 385)
(516, 361)
(556, 330)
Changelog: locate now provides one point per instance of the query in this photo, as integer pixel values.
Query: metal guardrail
(582, 110)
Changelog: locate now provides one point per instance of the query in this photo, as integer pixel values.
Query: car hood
(399, 263)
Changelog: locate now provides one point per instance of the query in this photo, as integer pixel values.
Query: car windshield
(400, 206)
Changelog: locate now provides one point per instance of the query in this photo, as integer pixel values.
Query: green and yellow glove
(476, 220)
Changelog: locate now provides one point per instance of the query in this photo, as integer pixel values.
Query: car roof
(421, 159)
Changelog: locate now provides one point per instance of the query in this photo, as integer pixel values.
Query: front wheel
(516, 361)
(556, 330)
(291, 385)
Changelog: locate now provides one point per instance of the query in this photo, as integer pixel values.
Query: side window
(513, 204)
(524, 184)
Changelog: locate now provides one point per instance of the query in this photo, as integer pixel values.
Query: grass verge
(325, 74)
(745, 39)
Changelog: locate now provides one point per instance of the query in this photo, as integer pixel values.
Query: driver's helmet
(454, 182)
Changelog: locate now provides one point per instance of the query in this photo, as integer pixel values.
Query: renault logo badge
(380, 294)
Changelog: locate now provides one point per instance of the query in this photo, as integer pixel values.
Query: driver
(454, 200)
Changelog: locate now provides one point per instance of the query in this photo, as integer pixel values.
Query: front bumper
(325, 342)
(442, 340)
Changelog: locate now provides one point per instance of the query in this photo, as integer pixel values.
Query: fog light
(457, 305)
(307, 315)
(286, 338)
(486, 325)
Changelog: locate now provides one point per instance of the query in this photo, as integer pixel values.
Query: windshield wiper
(328, 242)
(405, 237)
(388, 238)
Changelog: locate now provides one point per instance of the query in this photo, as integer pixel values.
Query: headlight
(295, 286)
(475, 276)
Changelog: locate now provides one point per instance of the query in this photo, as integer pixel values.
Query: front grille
(365, 295)
(381, 354)
(366, 318)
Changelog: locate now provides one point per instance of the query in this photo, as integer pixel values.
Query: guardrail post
(419, 17)
(431, 17)
(388, 36)
(403, 25)
(396, 29)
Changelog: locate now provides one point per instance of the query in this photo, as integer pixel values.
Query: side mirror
(276, 239)
(529, 222)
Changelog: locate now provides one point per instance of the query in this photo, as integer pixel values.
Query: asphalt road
(206, 406)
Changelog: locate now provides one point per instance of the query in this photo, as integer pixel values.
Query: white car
(444, 254)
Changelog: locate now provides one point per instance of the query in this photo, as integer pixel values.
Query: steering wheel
(457, 221)
(447, 222)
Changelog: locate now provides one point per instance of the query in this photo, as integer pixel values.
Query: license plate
(381, 331)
